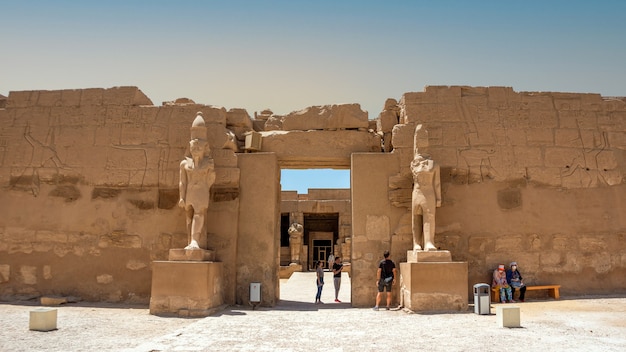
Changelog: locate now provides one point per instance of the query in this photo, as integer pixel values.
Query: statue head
(295, 228)
(198, 147)
(422, 163)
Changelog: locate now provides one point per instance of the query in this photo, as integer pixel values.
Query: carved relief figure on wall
(425, 199)
(197, 175)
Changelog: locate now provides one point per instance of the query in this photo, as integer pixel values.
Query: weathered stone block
(536, 101)
(567, 101)
(21, 99)
(182, 286)
(227, 177)
(447, 113)
(402, 135)
(483, 136)
(508, 316)
(563, 157)
(125, 96)
(28, 274)
(322, 148)
(550, 176)
(617, 140)
(446, 156)
(528, 156)
(550, 260)
(498, 97)
(454, 136)
(436, 286)
(326, 117)
(92, 96)
(386, 121)
(540, 136)
(239, 118)
(515, 118)
(568, 138)
(420, 113)
(43, 319)
(543, 119)
(510, 243)
(52, 300)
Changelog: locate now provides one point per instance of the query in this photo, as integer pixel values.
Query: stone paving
(296, 324)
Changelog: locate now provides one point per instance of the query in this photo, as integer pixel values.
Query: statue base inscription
(434, 286)
(187, 289)
(191, 255)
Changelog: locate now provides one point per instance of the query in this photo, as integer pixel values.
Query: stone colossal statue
(197, 175)
(295, 241)
(425, 199)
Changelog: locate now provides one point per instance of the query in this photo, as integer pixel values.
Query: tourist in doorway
(514, 278)
(319, 281)
(337, 268)
(331, 261)
(500, 283)
(385, 278)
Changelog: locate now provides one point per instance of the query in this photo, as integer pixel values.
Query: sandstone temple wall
(538, 178)
(89, 184)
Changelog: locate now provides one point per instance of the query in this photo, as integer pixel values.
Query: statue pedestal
(433, 282)
(186, 288)
(191, 255)
(428, 256)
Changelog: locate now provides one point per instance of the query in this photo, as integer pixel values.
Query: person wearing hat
(499, 282)
(514, 279)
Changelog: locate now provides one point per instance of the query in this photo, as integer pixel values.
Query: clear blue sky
(287, 55)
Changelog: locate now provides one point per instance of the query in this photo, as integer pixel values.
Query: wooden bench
(553, 291)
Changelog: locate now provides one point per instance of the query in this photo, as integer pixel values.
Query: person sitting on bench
(514, 278)
(500, 283)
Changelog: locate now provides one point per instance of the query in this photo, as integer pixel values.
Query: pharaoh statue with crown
(197, 175)
(426, 196)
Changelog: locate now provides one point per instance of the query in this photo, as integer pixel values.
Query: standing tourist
(385, 278)
(319, 281)
(337, 268)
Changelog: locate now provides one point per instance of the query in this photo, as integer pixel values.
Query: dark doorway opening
(321, 231)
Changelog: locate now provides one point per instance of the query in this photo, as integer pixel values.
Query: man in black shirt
(385, 278)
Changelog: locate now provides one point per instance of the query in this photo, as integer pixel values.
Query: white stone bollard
(508, 316)
(43, 319)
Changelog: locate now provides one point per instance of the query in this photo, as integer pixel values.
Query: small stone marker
(508, 316)
(43, 319)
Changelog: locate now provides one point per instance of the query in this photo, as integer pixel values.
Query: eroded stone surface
(91, 176)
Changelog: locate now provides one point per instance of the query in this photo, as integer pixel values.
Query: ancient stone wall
(89, 184)
(533, 177)
(376, 224)
(258, 238)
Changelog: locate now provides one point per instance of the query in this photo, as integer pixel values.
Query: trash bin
(482, 299)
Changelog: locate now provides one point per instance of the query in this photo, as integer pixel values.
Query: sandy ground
(296, 324)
